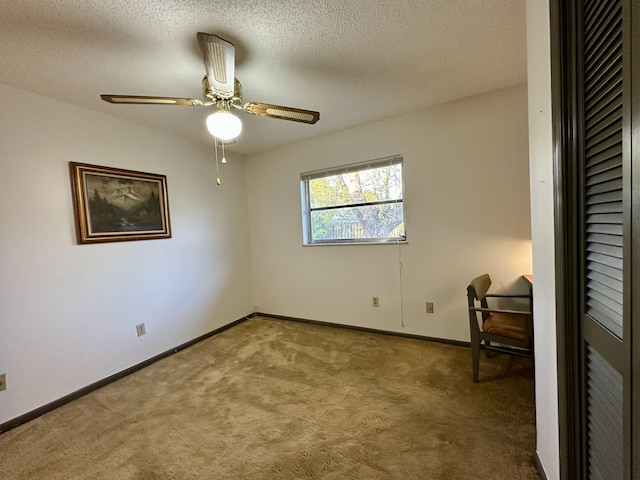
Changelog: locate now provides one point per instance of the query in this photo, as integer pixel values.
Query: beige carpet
(273, 399)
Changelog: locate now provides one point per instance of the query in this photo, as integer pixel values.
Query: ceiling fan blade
(143, 100)
(219, 61)
(283, 113)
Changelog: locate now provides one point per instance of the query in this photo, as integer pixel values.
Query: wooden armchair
(507, 331)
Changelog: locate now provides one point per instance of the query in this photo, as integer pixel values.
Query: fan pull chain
(224, 160)
(217, 166)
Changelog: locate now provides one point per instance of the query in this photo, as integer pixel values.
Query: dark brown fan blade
(143, 100)
(283, 113)
(219, 61)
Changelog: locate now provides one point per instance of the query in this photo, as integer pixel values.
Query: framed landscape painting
(112, 204)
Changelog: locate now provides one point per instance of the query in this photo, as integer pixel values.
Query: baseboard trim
(22, 419)
(539, 467)
(446, 341)
(33, 414)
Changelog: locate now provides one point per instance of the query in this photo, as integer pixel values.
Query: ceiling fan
(221, 89)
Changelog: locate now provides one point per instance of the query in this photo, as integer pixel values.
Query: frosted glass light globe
(224, 125)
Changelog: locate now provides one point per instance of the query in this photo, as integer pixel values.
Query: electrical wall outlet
(3, 381)
(375, 301)
(429, 307)
(140, 330)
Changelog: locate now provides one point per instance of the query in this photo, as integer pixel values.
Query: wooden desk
(529, 280)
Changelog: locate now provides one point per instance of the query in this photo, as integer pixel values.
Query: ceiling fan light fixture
(224, 125)
(221, 90)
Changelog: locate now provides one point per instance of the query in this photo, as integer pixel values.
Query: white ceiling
(354, 61)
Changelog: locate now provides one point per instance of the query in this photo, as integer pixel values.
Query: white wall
(467, 213)
(68, 312)
(542, 226)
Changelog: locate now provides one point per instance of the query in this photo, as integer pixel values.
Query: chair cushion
(508, 325)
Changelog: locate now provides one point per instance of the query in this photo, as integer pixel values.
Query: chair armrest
(508, 295)
(496, 310)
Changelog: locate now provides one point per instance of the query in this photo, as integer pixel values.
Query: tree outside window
(355, 203)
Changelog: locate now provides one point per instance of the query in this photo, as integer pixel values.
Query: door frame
(564, 118)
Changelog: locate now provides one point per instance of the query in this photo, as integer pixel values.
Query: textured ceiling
(354, 61)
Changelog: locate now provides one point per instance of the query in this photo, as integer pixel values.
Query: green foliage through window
(354, 203)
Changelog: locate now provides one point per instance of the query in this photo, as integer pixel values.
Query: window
(358, 203)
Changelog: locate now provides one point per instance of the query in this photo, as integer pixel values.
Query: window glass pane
(365, 222)
(372, 185)
(360, 202)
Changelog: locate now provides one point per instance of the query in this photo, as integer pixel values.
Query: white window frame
(306, 177)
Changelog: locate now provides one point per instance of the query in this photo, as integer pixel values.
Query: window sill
(342, 244)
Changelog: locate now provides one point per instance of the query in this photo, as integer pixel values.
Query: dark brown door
(593, 82)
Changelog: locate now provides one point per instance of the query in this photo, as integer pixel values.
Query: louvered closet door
(603, 184)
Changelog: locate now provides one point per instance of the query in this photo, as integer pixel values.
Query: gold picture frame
(115, 205)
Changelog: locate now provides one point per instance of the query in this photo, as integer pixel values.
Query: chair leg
(475, 358)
